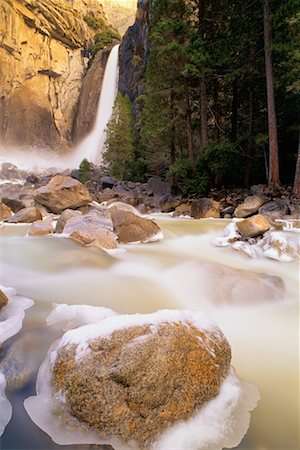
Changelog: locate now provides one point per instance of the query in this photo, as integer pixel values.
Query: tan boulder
(205, 208)
(184, 209)
(40, 228)
(62, 193)
(5, 211)
(93, 229)
(253, 226)
(66, 215)
(250, 206)
(26, 215)
(3, 299)
(136, 382)
(130, 227)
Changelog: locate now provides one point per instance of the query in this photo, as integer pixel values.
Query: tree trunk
(273, 141)
(217, 115)
(250, 148)
(173, 131)
(296, 189)
(234, 110)
(189, 129)
(203, 112)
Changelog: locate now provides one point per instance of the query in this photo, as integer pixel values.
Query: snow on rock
(221, 421)
(282, 246)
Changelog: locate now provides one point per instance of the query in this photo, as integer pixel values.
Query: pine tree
(119, 153)
(85, 171)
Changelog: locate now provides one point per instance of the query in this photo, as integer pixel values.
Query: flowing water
(255, 303)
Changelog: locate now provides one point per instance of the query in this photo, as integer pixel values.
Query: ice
(12, 315)
(5, 406)
(11, 319)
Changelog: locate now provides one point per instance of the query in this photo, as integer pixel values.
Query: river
(254, 301)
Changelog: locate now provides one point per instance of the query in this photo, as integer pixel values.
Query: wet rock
(278, 246)
(107, 182)
(126, 385)
(131, 228)
(3, 299)
(5, 211)
(227, 211)
(62, 192)
(205, 208)
(26, 215)
(184, 209)
(157, 187)
(253, 226)
(250, 206)
(275, 209)
(40, 228)
(168, 203)
(13, 203)
(66, 215)
(93, 229)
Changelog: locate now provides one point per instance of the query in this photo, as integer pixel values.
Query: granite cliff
(43, 49)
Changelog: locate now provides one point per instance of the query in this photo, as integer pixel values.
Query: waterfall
(92, 146)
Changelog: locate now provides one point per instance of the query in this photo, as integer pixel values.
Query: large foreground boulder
(133, 377)
(131, 228)
(61, 193)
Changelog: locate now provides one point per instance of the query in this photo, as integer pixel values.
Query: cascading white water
(92, 146)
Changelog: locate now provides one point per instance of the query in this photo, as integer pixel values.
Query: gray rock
(250, 206)
(205, 208)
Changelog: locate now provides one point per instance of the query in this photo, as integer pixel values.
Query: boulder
(228, 211)
(62, 192)
(40, 228)
(136, 378)
(107, 182)
(131, 228)
(93, 229)
(5, 211)
(13, 203)
(253, 226)
(205, 208)
(184, 209)
(3, 299)
(275, 209)
(168, 203)
(250, 206)
(66, 215)
(157, 187)
(26, 215)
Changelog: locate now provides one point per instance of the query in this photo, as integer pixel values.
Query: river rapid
(254, 301)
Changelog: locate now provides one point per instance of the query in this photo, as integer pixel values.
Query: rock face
(94, 228)
(134, 55)
(250, 206)
(89, 97)
(3, 299)
(26, 215)
(135, 382)
(5, 211)
(42, 47)
(62, 193)
(120, 12)
(132, 228)
(205, 208)
(253, 226)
